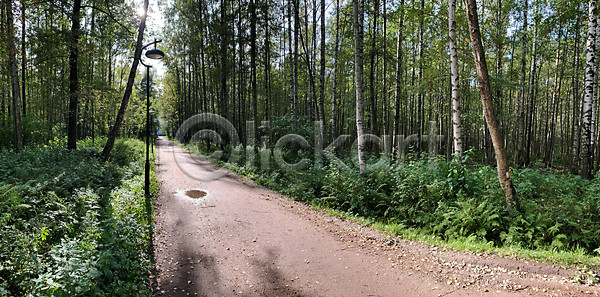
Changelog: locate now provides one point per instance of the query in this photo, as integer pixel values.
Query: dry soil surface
(240, 239)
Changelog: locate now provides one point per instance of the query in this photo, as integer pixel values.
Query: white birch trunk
(358, 73)
(586, 116)
(454, 80)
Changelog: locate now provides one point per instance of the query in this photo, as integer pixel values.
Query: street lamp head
(155, 54)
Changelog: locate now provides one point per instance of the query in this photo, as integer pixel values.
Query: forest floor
(241, 239)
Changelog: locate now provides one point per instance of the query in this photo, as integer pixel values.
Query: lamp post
(153, 134)
(155, 54)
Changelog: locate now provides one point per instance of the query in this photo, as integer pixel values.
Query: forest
(508, 89)
(274, 59)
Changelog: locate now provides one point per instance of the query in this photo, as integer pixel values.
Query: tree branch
(48, 59)
(110, 16)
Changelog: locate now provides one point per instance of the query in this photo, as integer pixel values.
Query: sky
(154, 24)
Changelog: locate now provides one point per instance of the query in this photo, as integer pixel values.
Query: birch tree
(488, 109)
(457, 140)
(586, 116)
(358, 6)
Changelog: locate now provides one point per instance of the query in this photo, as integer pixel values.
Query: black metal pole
(147, 168)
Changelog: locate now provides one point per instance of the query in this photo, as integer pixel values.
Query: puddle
(200, 197)
(196, 194)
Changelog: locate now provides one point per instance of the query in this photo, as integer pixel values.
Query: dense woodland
(263, 60)
(256, 61)
(68, 56)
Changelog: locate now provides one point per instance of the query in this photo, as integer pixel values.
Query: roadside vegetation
(71, 225)
(442, 202)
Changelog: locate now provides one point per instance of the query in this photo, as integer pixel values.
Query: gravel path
(244, 240)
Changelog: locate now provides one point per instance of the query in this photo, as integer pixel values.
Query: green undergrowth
(71, 225)
(459, 206)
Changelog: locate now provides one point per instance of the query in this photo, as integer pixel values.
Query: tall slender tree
(590, 80)
(531, 99)
(14, 75)
(223, 96)
(574, 164)
(336, 51)
(399, 73)
(358, 6)
(74, 75)
(556, 84)
(112, 136)
(322, 74)
(23, 59)
(419, 109)
(253, 68)
(523, 90)
(294, 105)
(488, 109)
(457, 139)
(373, 65)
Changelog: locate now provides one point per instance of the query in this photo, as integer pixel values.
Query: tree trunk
(74, 77)
(590, 75)
(322, 74)
(294, 111)
(23, 60)
(373, 58)
(253, 68)
(112, 136)
(3, 66)
(292, 59)
(576, 104)
(399, 78)
(202, 60)
(499, 46)
(488, 109)
(308, 58)
(553, 105)
(419, 121)
(335, 71)
(224, 66)
(385, 108)
(523, 90)
(529, 115)
(457, 139)
(358, 6)
(14, 75)
(267, 63)
(595, 97)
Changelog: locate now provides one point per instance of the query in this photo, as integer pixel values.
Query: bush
(71, 225)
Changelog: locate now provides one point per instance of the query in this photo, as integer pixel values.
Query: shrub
(71, 225)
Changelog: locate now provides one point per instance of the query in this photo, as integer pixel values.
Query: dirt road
(244, 240)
